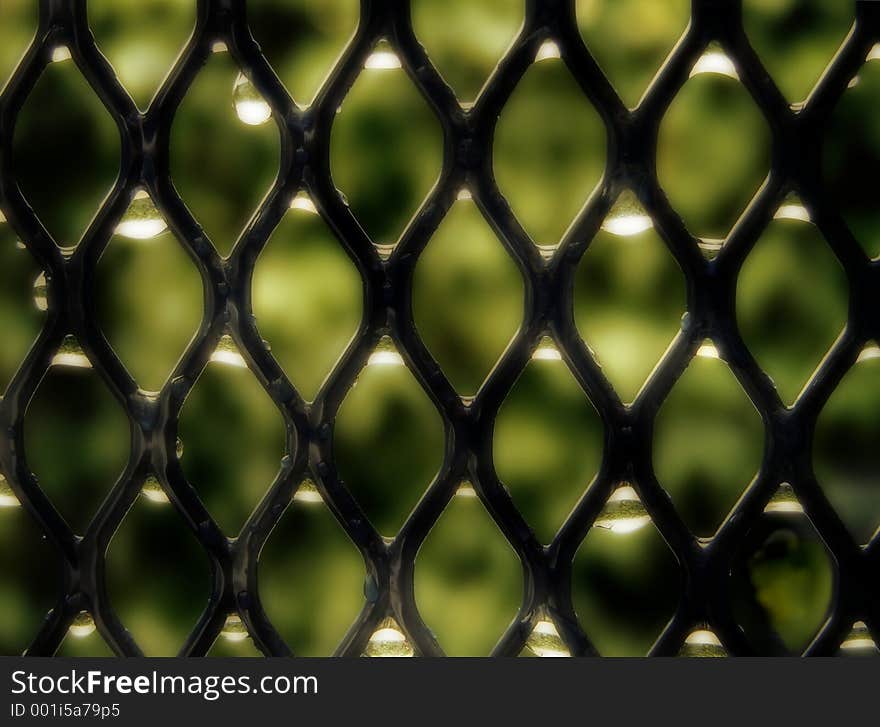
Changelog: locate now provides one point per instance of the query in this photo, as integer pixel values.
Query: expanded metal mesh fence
(705, 602)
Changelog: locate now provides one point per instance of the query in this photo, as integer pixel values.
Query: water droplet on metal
(624, 512)
(546, 350)
(385, 354)
(304, 203)
(307, 493)
(869, 353)
(70, 353)
(250, 107)
(793, 209)
(7, 496)
(388, 640)
(466, 490)
(549, 50)
(708, 349)
(385, 250)
(702, 643)
(545, 640)
(41, 293)
(227, 353)
(627, 216)
(152, 491)
(82, 625)
(234, 628)
(715, 60)
(142, 220)
(784, 501)
(383, 58)
(859, 641)
(60, 53)
(710, 247)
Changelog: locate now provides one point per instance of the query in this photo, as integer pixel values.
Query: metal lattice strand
(468, 138)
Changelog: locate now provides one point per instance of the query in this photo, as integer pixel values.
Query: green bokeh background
(386, 152)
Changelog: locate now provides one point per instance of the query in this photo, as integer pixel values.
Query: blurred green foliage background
(386, 153)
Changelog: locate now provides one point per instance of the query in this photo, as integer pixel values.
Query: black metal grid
(305, 134)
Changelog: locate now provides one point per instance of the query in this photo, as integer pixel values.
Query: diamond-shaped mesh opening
(147, 322)
(141, 40)
(629, 297)
(466, 569)
(76, 438)
(844, 457)
(159, 600)
(625, 581)
(63, 118)
(782, 579)
(549, 151)
(302, 39)
(788, 333)
(29, 571)
(711, 169)
(630, 39)
(232, 462)
(796, 40)
(226, 136)
(465, 274)
(306, 295)
(852, 154)
(311, 576)
(708, 442)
